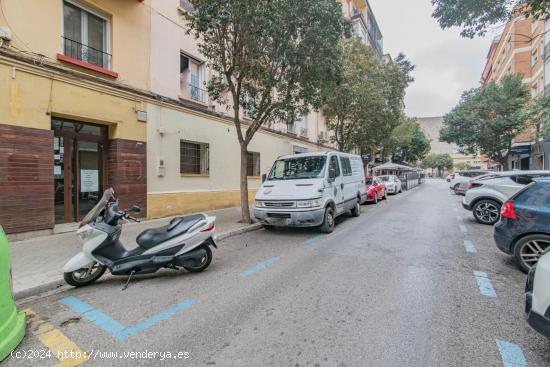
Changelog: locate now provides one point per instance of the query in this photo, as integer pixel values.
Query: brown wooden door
(78, 168)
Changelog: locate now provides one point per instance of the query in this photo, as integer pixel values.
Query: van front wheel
(328, 222)
(356, 211)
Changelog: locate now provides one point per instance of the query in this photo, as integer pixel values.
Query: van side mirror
(264, 177)
(331, 175)
(135, 208)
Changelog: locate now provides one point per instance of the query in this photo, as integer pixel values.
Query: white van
(312, 189)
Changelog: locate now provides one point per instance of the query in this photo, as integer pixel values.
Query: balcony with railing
(87, 54)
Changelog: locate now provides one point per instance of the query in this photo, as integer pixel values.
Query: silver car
(393, 184)
(486, 195)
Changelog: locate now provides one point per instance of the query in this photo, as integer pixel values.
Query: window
(194, 158)
(334, 165)
(298, 168)
(191, 79)
(534, 57)
(253, 164)
(346, 166)
(85, 35)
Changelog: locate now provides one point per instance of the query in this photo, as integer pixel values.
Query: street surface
(394, 287)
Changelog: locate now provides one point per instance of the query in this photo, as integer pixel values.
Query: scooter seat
(177, 226)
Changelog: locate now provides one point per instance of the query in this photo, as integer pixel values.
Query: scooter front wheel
(203, 263)
(85, 276)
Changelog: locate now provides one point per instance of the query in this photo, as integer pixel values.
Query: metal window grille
(194, 158)
(253, 164)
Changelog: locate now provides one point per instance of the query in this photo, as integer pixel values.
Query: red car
(376, 189)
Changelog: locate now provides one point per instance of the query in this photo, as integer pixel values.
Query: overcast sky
(446, 64)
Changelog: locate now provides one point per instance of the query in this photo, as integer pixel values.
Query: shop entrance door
(79, 161)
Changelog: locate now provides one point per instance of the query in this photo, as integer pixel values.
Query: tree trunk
(245, 209)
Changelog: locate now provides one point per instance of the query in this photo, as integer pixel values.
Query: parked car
(486, 196)
(376, 189)
(393, 184)
(12, 322)
(524, 228)
(463, 176)
(312, 189)
(466, 185)
(537, 297)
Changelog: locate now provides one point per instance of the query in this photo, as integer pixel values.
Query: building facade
(94, 94)
(431, 127)
(520, 49)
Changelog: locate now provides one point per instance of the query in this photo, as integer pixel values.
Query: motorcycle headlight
(308, 203)
(85, 233)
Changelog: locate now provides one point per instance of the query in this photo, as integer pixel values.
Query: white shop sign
(89, 180)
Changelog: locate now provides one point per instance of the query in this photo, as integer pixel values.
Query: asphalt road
(394, 287)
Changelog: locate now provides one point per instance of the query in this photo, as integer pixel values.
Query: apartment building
(431, 127)
(71, 108)
(520, 49)
(99, 93)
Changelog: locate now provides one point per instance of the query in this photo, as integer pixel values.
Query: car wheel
(328, 222)
(529, 250)
(456, 189)
(487, 211)
(356, 211)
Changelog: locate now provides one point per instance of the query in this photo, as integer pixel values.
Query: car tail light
(208, 229)
(508, 210)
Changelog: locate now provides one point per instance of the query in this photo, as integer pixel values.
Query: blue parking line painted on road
(313, 239)
(511, 354)
(463, 228)
(113, 327)
(259, 266)
(470, 247)
(484, 284)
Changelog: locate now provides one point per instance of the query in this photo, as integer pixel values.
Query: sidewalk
(37, 263)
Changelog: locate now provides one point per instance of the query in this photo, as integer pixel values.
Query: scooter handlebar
(128, 216)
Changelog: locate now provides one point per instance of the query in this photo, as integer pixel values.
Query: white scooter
(184, 242)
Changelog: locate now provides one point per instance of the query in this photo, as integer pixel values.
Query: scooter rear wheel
(85, 276)
(205, 262)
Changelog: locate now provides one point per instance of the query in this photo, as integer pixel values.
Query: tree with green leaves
(475, 17)
(366, 102)
(355, 92)
(441, 162)
(269, 58)
(462, 166)
(488, 118)
(408, 143)
(537, 113)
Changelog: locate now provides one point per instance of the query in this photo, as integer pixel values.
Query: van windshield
(298, 168)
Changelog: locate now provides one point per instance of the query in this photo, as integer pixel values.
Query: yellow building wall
(30, 100)
(36, 26)
(171, 204)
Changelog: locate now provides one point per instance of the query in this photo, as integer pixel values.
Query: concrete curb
(58, 283)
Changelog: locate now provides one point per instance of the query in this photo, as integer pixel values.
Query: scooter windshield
(108, 195)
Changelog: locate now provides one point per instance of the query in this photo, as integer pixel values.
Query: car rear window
(538, 194)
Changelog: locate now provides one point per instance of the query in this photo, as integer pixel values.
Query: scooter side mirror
(135, 208)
